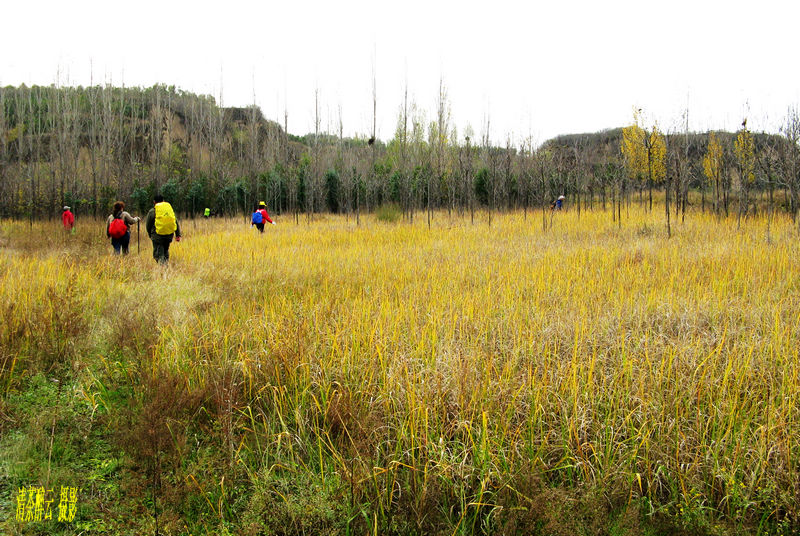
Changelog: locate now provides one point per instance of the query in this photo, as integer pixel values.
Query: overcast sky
(533, 68)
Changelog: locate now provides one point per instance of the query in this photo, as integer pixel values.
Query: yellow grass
(587, 355)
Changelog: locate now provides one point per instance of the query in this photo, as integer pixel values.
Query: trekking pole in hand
(138, 249)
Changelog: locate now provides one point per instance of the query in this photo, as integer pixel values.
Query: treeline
(86, 147)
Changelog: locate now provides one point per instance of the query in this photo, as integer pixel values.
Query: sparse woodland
(87, 147)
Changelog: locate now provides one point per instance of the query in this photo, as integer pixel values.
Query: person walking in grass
(257, 219)
(68, 220)
(262, 208)
(161, 224)
(118, 228)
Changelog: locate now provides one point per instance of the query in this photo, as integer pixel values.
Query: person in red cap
(68, 219)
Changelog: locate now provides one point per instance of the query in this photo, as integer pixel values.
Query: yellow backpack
(165, 219)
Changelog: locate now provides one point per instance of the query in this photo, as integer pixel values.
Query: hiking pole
(138, 249)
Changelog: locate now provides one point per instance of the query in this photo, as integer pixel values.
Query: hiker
(559, 203)
(207, 213)
(160, 225)
(257, 219)
(118, 228)
(262, 207)
(68, 219)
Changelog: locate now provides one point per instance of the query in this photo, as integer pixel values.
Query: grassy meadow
(328, 378)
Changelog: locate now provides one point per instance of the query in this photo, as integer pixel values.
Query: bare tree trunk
(3, 155)
(403, 164)
(678, 181)
(703, 197)
(544, 196)
(374, 139)
(614, 193)
(603, 194)
(666, 207)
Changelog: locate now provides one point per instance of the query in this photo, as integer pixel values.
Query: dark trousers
(161, 247)
(121, 244)
(260, 227)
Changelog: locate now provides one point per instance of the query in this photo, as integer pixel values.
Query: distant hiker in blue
(558, 204)
(257, 220)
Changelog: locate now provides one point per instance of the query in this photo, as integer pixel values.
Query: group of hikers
(161, 226)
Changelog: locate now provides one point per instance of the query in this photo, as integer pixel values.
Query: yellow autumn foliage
(712, 160)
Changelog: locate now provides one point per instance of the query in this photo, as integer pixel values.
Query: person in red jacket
(262, 208)
(68, 219)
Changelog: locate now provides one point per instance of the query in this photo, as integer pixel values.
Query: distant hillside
(87, 146)
(40, 120)
(606, 143)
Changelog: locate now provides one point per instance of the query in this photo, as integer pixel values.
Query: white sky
(539, 67)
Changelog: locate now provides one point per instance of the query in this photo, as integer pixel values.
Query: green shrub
(388, 212)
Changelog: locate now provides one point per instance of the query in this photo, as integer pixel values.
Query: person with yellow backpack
(161, 224)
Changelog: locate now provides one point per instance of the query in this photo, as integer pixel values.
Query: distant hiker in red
(262, 208)
(257, 219)
(68, 219)
(118, 228)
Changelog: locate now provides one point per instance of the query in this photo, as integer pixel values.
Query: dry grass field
(387, 378)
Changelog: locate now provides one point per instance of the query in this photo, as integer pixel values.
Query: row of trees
(86, 147)
(732, 165)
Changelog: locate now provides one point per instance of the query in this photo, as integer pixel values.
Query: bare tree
(373, 137)
(4, 179)
(790, 161)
